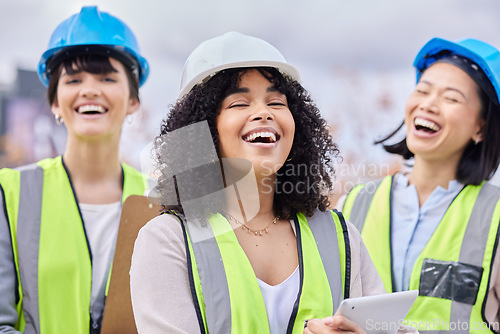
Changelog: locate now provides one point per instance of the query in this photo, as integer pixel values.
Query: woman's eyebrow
(238, 90)
(456, 90)
(447, 88)
(269, 89)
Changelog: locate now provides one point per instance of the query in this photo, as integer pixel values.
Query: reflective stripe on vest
(371, 203)
(231, 301)
(28, 240)
(475, 240)
(360, 198)
(52, 255)
(453, 271)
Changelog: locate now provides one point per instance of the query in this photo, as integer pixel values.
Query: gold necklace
(255, 232)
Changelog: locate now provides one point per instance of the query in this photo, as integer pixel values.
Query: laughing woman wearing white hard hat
(257, 252)
(59, 217)
(436, 227)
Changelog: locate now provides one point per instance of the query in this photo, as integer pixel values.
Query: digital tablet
(380, 313)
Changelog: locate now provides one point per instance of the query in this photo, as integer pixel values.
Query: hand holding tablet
(379, 313)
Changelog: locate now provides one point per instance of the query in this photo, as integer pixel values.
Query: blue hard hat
(95, 32)
(484, 55)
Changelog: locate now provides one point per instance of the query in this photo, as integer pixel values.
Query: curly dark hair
(305, 180)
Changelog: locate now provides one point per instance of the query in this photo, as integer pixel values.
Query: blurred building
(28, 132)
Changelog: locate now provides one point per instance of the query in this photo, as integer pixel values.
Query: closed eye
(72, 81)
(238, 105)
(449, 99)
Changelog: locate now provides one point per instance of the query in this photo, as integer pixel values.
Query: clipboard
(118, 316)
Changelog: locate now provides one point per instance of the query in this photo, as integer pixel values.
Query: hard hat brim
(53, 57)
(285, 69)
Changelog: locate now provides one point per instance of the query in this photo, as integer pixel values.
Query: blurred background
(355, 58)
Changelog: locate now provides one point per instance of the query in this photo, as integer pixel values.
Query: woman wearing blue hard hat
(59, 217)
(436, 227)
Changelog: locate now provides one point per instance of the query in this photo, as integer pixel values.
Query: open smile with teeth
(91, 109)
(426, 125)
(261, 137)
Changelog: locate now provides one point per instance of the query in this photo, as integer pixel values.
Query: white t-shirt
(101, 224)
(279, 300)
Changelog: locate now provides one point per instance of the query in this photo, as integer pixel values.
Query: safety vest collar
(226, 294)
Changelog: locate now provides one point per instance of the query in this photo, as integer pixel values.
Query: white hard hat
(231, 50)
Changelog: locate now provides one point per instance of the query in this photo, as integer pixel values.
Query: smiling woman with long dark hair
(59, 217)
(435, 227)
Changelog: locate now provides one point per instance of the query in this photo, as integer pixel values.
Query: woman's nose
(262, 114)
(90, 91)
(429, 104)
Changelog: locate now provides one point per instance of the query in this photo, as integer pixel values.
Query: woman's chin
(266, 168)
(262, 167)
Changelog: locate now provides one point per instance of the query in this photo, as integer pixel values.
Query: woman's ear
(56, 110)
(478, 136)
(133, 106)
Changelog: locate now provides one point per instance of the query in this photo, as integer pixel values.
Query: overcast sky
(373, 34)
(349, 52)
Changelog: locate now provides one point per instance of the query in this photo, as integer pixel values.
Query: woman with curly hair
(268, 255)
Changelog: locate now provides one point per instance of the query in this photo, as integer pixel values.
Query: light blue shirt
(413, 226)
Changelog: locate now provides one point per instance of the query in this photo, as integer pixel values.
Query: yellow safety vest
(226, 293)
(453, 271)
(51, 252)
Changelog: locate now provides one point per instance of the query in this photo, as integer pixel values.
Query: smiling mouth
(262, 137)
(91, 109)
(426, 125)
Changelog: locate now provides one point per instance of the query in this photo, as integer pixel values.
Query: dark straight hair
(92, 63)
